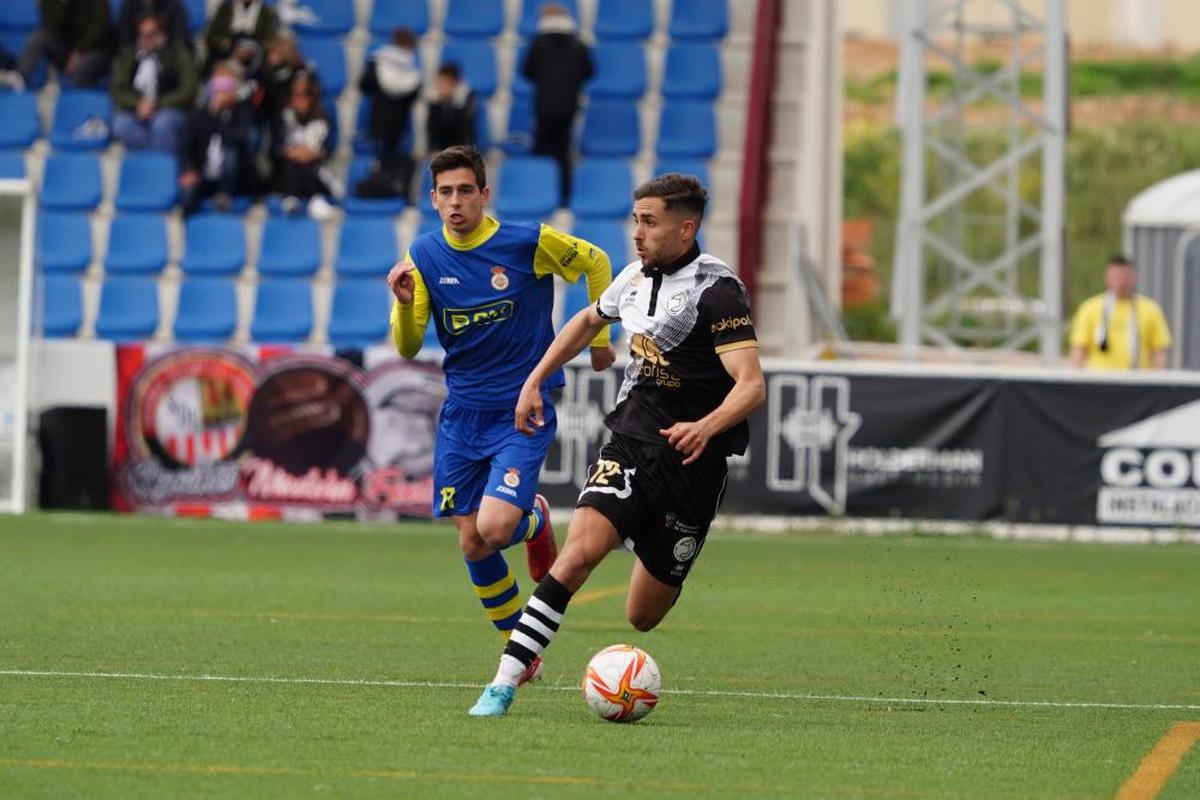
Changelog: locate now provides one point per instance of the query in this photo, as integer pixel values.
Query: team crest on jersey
(676, 303)
(512, 478)
(499, 279)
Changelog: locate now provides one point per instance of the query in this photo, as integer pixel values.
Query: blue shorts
(481, 453)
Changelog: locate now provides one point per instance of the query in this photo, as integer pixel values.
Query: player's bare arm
(570, 341)
(748, 393)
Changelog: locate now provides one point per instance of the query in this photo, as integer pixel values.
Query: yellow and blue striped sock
(530, 524)
(498, 591)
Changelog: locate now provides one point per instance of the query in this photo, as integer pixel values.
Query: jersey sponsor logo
(645, 347)
(499, 279)
(447, 493)
(603, 476)
(448, 280)
(676, 303)
(458, 320)
(685, 548)
(731, 323)
(512, 478)
(570, 256)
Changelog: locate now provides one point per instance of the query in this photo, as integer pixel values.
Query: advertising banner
(265, 430)
(268, 432)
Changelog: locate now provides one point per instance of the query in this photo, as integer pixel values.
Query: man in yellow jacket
(1120, 329)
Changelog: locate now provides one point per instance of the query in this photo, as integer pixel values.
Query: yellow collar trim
(486, 230)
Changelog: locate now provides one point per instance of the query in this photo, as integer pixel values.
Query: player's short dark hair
(1120, 260)
(404, 37)
(681, 193)
(456, 157)
(450, 70)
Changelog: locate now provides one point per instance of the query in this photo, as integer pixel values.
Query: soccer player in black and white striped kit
(693, 379)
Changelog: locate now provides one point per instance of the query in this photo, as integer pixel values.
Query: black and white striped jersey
(678, 321)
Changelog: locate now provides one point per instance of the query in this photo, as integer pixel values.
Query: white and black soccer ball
(622, 683)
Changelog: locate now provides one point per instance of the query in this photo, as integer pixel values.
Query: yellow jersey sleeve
(409, 321)
(1159, 335)
(1083, 327)
(569, 257)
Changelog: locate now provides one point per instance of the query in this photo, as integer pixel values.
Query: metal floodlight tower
(976, 263)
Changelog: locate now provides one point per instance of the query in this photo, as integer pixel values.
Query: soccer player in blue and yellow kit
(488, 288)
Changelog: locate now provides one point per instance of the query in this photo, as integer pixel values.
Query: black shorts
(656, 502)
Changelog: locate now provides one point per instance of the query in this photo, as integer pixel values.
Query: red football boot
(541, 550)
(532, 673)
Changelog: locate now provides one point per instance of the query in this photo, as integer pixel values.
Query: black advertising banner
(1106, 454)
(938, 447)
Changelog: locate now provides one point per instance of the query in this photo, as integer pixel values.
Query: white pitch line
(834, 698)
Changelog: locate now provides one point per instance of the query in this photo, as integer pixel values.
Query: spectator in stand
(392, 81)
(217, 156)
(240, 29)
(300, 162)
(172, 13)
(284, 66)
(153, 88)
(451, 117)
(1120, 329)
(557, 64)
(76, 36)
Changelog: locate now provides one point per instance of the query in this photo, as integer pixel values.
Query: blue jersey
(491, 298)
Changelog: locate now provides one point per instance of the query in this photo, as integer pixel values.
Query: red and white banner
(268, 432)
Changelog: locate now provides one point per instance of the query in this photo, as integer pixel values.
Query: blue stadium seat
(609, 236)
(240, 205)
(64, 242)
(477, 61)
(19, 15)
(12, 164)
(683, 166)
(21, 126)
(61, 306)
(693, 72)
(216, 245)
(611, 129)
(687, 130)
(282, 311)
(601, 189)
(375, 206)
(207, 311)
(197, 14)
(137, 244)
(518, 138)
(291, 247)
(358, 316)
(388, 15)
(576, 297)
(699, 19)
(148, 182)
(527, 26)
(429, 225)
(367, 247)
(624, 19)
(474, 19)
(14, 42)
(328, 56)
(82, 120)
(520, 87)
(527, 189)
(483, 128)
(620, 71)
(332, 18)
(428, 212)
(128, 309)
(71, 182)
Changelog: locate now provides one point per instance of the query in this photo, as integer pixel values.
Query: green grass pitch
(339, 660)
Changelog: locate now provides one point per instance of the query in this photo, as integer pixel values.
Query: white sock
(509, 672)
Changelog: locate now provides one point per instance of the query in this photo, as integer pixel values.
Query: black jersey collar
(670, 269)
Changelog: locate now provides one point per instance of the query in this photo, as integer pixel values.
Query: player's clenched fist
(401, 281)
